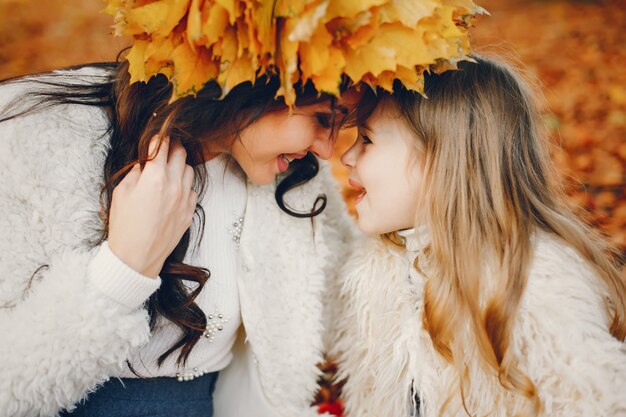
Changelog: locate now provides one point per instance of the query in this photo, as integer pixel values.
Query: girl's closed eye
(365, 139)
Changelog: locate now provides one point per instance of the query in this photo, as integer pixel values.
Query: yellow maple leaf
(411, 78)
(116, 9)
(350, 8)
(137, 61)
(447, 28)
(408, 12)
(239, 71)
(329, 78)
(160, 49)
(262, 20)
(315, 52)
(192, 69)
(369, 80)
(464, 6)
(293, 8)
(306, 22)
(287, 62)
(385, 80)
(394, 44)
(407, 44)
(158, 56)
(194, 23)
(362, 30)
(243, 38)
(232, 7)
(216, 23)
(159, 17)
(226, 47)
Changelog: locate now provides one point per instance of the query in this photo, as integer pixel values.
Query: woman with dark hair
(101, 180)
(152, 239)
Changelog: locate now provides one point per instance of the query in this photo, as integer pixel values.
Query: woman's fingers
(151, 209)
(129, 180)
(158, 150)
(133, 175)
(193, 201)
(168, 165)
(176, 162)
(187, 181)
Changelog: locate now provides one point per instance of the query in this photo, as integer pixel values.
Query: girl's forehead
(387, 104)
(385, 110)
(373, 105)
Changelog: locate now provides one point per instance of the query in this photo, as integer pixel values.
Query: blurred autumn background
(574, 50)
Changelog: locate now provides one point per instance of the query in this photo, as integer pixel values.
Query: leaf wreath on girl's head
(233, 41)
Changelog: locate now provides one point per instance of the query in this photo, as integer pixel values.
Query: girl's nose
(349, 157)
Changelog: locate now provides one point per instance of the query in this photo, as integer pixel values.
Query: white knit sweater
(561, 338)
(224, 206)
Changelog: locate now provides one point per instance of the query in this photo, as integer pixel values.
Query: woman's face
(266, 147)
(384, 165)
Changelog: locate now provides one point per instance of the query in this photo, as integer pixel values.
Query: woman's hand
(151, 209)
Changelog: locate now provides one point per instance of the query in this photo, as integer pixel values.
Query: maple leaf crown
(232, 41)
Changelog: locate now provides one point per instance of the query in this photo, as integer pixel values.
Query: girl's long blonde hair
(489, 185)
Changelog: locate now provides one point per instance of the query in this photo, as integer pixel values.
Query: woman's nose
(323, 147)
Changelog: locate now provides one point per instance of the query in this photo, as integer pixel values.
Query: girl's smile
(385, 167)
(358, 186)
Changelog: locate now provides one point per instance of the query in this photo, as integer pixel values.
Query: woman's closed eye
(324, 120)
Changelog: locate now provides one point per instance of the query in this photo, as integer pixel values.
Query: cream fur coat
(62, 337)
(561, 337)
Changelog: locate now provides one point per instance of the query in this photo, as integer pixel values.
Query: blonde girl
(487, 295)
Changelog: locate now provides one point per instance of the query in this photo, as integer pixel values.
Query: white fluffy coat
(561, 338)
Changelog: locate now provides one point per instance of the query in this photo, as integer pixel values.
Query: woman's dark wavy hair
(137, 112)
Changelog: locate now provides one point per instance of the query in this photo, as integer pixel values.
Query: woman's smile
(284, 159)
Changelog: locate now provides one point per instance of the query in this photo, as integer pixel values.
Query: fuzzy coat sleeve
(562, 336)
(69, 318)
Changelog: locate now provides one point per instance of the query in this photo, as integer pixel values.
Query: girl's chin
(364, 223)
(369, 226)
(369, 231)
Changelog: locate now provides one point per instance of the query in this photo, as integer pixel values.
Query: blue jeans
(153, 397)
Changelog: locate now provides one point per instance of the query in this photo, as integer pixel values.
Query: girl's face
(385, 166)
(266, 147)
